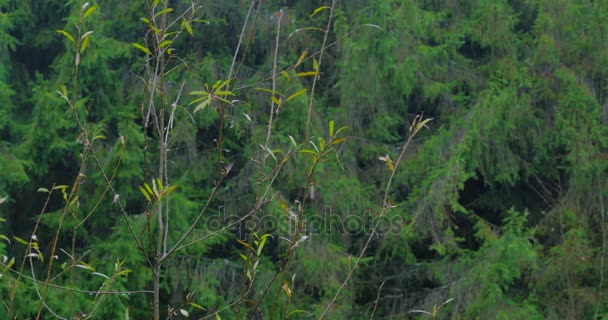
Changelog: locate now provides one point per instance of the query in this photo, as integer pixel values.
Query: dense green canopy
(279, 124)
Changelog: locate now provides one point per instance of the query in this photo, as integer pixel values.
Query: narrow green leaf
(142, 48)
(154, 188)
(423, 124)
(268, 90)
(219, 86)
(67, 35)
(202, 105)
(101, 275)
(293, 141)
(3, 237)
(295, 95)
(301, 58)
(196, 305)
(163, 12)
(198, 93)
(186, 25)
(338, 141)
(321, 144)
(224, 93)
(342, 129)
(84, 44)
(331, 128)
(147, 186)
(85, 265)
(315, 64)
(143, 191)
(124, 272)
(21, 240)
(44, 190)
(164, 43)
(275, 100)
(308, 151)
(319, 9)
(11, 263)
(89, 11)
(245, 244)
(307, 73)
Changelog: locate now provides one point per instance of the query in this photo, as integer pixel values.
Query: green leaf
(3, 237)
(101, 275)
(143, 191)
(319, 9)
(198, 93)
(44, 190)
(295, 95)
(89, 11)
(202, 105)
(331, 128)
(164, 43)
(301, 58)
(338, 141)
(275, 100)
(21, 240)
(262, 243)
(84, 44)
(67, 35)
(186, 25)
(307, 74)
(85, 265)
(164, 12)
(293, 141)
(224, 93)
(342, 129)
(196, 305)
(219, 85)
(315, 64)
(244, 258)
(11, 263)
(124, 272)
(308, 151)
(245, 244)
(268, 90)
(142, 48)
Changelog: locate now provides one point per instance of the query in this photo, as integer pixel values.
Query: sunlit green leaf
(67, 35)
(89, 11)
(319, 9)
(142, 48)
(165, 11)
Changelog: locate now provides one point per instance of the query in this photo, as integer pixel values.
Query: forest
(322, 159)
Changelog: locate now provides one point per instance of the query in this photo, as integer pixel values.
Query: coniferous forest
(325, 159)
